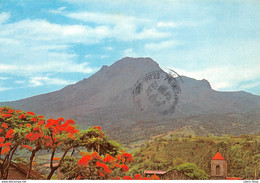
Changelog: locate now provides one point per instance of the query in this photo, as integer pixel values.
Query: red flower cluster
(7, 116)
(22, 116)
(108, 158)
(34, 120)
(127, 178)
(115, 178)
(138, 177)
(5, 150)
(26, 147)
(33, 136)
(96, 155)
(104, 167)
(11, 111)
(2, 139)
(28, 125)
(126, 157)
(4, 125)
(30, 113)
(69, 122)
(124, 168)
(97, 127)
(9, 133)
(85, 159)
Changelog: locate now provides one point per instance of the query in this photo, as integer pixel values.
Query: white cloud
(37, 46)
(57, 11)
(39, 81)
(4, 16)
(4, 78)
(104, 56)
(121, 27)
(20, 81)
(109, 48)
(4, 88)
(129, 52)
(226, 77)
(104, 18)
(251, 85)
(42, 30)
(161, 45)
(179, 24)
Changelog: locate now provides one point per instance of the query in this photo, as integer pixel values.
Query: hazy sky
(46, 44)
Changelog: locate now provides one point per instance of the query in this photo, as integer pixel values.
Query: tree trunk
(53, 169)
(6, 169)
(52, 172)
(31, 161)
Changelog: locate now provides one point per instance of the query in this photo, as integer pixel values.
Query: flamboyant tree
(96, 167)
(13, 131)
(25, 130)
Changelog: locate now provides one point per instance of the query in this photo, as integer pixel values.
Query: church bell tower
(218, 167)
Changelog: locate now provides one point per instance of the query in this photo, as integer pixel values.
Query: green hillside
(165, 153)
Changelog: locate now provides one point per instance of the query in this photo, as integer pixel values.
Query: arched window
(217, 170)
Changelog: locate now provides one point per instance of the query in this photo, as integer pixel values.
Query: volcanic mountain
(106, 99)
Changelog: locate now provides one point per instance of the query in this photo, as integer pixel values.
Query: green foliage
(193, 171)
(241, 154)
(67, 167)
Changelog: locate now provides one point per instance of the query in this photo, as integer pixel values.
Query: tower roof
(218, 156)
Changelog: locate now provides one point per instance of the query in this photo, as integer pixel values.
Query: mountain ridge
(106, 99)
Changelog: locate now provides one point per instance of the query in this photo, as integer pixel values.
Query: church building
(219, 169)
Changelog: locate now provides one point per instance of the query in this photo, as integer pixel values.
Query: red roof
(234, 178)
(155, 172)
(218, 156)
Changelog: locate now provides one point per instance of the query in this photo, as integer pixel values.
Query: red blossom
(29, 135)
(128, 157)
(56, 158)
(7, 116)
(124, 168)
(1, 130)
(155, 177)
(108, 158)
(4, 125)
(5, 150)
(40, 116)
(97, 127)
(127, 178)
(22, 116)
(9, 133)
(115, 178)
(2, 139)
(85, 159)
(28, 125)
(30, 113)
(71, 136)
(138, 177)
(70, 122)
(104, 166)
(18, 111)
(26, 147)
(10, 111)
(96, 155)
(34, 120)
(101, 174)
(41, 122)
(146, 178)
(61, 119)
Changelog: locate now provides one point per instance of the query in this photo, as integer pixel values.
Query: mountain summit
(106, 98)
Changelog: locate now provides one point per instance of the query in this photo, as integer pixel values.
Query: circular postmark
(157, 91)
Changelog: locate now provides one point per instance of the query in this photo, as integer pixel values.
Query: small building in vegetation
(18, 171)
(167, 175)
(219, 169)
